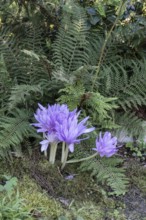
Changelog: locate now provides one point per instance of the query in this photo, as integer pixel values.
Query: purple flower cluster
(106, 145)
(60, 125)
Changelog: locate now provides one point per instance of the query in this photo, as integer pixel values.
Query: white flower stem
(82, 159)
(45, 151)
(53, 149)
(63, 152)
(65, 157)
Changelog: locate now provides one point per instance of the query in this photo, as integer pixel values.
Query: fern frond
(5, 83)
(71, 95)
(100, 108)
(8, 47)
(13, 129)
(71, 47)
(130, 88)
(105, 170)
(20, 52)
(21, 93)
(131, 124)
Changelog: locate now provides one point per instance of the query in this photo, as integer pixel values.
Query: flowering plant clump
(58, 124)
(106, 145)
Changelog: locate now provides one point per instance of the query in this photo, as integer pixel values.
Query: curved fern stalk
(104, 45)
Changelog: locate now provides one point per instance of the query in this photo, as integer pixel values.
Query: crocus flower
(48, 117)
(59, 125)
(70, 130)
(106, 145)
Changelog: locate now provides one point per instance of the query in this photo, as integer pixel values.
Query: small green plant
(137, 149)
(12, 207)
(8, 184)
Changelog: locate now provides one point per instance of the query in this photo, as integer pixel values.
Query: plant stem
(82, 159)
(53, 148)
(45, 152)
(104, 45)
(63, 152)
(65, 157)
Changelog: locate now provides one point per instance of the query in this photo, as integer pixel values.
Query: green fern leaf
(105, 171)
(13, 129)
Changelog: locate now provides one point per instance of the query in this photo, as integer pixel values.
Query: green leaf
(10, 184)
(31, 54)
(101, 9)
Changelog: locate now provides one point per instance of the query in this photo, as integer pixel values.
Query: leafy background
(90, 55)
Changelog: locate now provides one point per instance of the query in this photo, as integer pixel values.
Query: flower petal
(45, 144)
(71, 147)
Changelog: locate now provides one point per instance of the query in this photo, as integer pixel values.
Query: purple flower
(70, 130)
(48, 117)
(51, 138)
(59, 124)
(106, 145)
(69, 177)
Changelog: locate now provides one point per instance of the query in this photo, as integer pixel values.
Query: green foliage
(10, 183)
(38, 200)
(11, 205)
(137, 149)
(97, 106)
(131, 124)
(100, 108)
(119, 76)
(91, 211)
(23, 93)
(72, 95)
(107, 171)
(96, 56)
(13, 129)
(127, 81)
(71, 46)
(14, 208)
(24, 78)
(5, 82)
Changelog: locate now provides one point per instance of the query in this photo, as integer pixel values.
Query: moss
(91, 211)
(86, 210)
(4, 168)
(81, 188)
(37, 200)
(137, 175)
